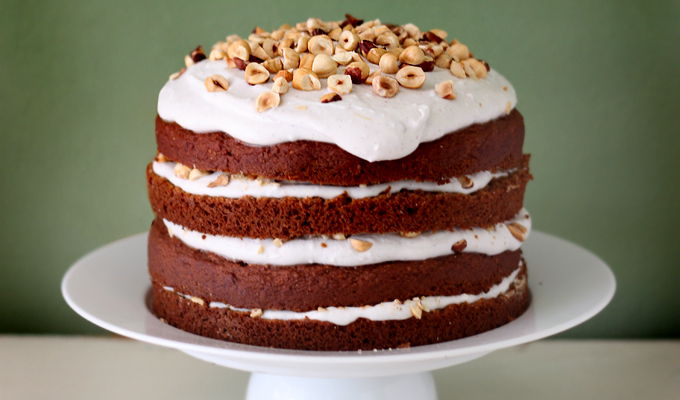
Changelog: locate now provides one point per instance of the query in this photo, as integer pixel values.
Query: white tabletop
(54, 367)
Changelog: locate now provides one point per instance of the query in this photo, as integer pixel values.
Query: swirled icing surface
(363, 124)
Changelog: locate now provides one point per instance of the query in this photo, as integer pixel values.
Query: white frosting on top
(386, 247)
(393, 310)
(242, 186)
(364, 124)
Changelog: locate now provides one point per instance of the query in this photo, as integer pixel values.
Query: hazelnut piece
(358, 71)
(459, 52)
(342, 58)
(181, 171)
(324, 66)
(285, 74)
(474, 68)
(385, 86)
(222, 180)
(320, 44)
(307, 60)
(267, 100)
(445, 90)
(216, 83)
(411, 77)
(348, 40)
(305, 79)
(280, 85)
(443, 61)
(360, 245)
(330, 97)
(239, 49)
(375, 54)
(388, 63)
(459, 246)
(465, 182)
(256, 74)
(412, 55)
(457, 70)
(291, 58)
(301, 44)
(197, 173)
(518, 231)
(341, 84)
(369, 79)
(273, 66)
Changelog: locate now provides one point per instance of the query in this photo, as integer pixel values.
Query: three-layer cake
(338, 186)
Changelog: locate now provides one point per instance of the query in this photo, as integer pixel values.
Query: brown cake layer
(290, 217)
(493, 145)
(306, 287)
(450, 323)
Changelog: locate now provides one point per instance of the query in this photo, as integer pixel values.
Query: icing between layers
(368, 126)
(386, 247)
(239, 187)
(394, 310)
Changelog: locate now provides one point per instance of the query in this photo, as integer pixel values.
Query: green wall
(597, 83)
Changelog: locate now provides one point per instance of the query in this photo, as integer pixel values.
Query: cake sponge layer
(495, 145)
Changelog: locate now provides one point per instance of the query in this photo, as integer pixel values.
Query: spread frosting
(363, 124)
(385, 247)
(393, 310)
(243, 186)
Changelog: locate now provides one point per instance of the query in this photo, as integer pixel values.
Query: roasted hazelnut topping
(445, 90)
(256, 74)
(385, 86)
(287, 75)
(240, 64)
(388, 63)
(412, 55)
(341, 84)
(411, 77)
(321, 44)
(459, 246)
(216, 83)
(197, 54)
(305, 79)
(267, 100)
(324, 66)
(358, 71)
(280, 85)
(348, 40)
(330, 97)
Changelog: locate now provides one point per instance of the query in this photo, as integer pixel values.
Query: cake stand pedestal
(110, 288)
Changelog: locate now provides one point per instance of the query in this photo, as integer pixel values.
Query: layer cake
(342, 185)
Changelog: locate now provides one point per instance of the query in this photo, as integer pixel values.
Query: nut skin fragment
(340, 84)
(412, 55)
(280, 85)
(324, 66)
(518, 231)
(360, 245)
(388, 64)
(285, 74)
(222, 180)
(385, 86)
(411, 77)
(321, 44)
(348, 40)
(445, 90)
(459, 246)
(330, 97)
(474, 68)
(305, 79)
(216, 83)
(256, 74)
(267, 100)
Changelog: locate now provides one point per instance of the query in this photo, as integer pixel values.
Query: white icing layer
(386, 247)
(363, 124)
(239, 187)
(393, 310)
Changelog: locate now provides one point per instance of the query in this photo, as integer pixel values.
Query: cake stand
(110, 288)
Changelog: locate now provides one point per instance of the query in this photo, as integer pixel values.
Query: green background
(597, 83)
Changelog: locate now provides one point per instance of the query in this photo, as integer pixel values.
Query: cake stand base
(400, 387)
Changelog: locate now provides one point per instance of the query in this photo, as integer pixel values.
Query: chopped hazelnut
(341, 84)
(411, 77)
(216, 83)
(330, 97)
(445, 90)
(348, 40)
(321, 44)
(267, 100)
(324, 66)
(280, 85)
(388, 63)
(360, 245)
(385, 86)
(305, 79)
(256, 74)
(412, 55)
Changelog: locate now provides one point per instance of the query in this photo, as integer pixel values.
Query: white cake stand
(110, 288)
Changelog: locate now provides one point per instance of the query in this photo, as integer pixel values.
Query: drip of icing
(386, 247)
(394, 310)
(366, 125)
(239, 187)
